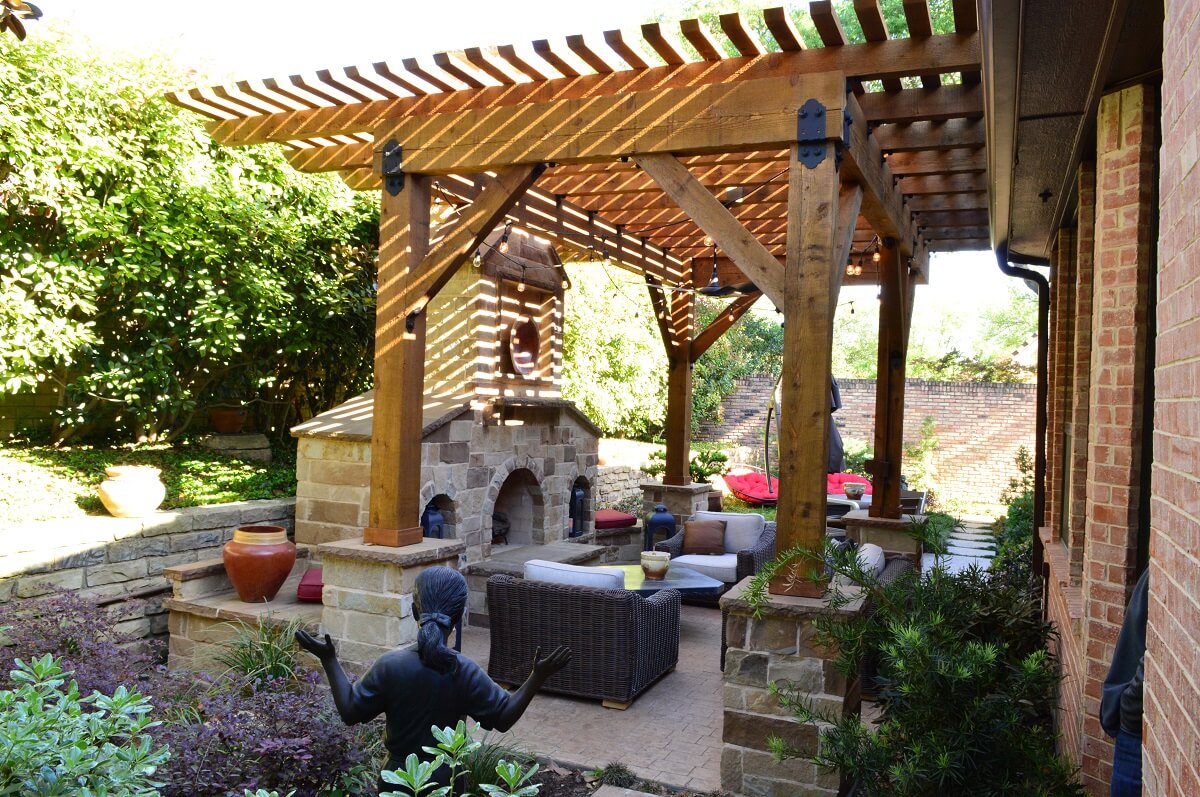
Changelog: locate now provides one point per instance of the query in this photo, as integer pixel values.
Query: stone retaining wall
(617, 483)
(109, 559)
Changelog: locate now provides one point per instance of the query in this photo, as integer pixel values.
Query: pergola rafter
(774, 165)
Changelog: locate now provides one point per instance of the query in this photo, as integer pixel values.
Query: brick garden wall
(106, 558)
(1172, 702)
(24, 411)
(979, 427)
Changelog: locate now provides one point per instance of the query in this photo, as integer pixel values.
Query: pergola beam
(746, 115)
(722, 323)
(883, 205)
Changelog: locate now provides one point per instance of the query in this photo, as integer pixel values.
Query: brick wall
(1172, 705)
(107, 558)
(1125, 163)
(979, 427)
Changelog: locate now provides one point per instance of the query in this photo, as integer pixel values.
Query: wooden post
(399, 369)
(894, 316)
(676, 318)
(807, 342)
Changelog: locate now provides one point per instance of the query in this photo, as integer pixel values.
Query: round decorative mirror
(524, 343)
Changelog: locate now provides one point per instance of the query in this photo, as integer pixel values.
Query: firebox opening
(579, 508)
(438, 520)
(518, 517)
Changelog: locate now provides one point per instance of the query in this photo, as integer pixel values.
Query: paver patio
(671, 734)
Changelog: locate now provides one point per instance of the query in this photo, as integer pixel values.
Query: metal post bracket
(810, 132)
(391, 159)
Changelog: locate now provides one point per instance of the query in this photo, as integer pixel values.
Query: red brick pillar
(1125, 175)
(1172, 698)
(1062, 333)
(1081, 379)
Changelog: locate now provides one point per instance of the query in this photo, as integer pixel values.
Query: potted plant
(227, 409)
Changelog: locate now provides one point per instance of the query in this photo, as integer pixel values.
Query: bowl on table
(854, 491)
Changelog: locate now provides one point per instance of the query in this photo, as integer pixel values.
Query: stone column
(368, 594)
(890, 534)
(778, 647)
(681, 500)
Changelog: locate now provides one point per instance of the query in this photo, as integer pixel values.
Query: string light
(477, 261)
(504, 237)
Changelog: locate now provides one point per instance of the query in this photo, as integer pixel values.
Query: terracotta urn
(258, 560)
(131, 490)
(655, 564)
(227, 420)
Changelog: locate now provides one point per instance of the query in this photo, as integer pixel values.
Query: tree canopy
(147, 270)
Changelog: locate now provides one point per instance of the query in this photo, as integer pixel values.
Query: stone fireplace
(499, 441)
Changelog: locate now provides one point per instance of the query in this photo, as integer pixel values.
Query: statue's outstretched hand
(543, 668)
(322, 650)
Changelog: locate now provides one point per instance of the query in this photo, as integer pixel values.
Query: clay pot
(258, 560)
(227, 420)
(131, 490)
(655, 564)
(854, 490)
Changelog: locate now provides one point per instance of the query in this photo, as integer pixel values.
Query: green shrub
(966, 684)
(468, 762)
(58, 743)
(614, 773)
(264, 651)
(704, 464)
(1014, 549)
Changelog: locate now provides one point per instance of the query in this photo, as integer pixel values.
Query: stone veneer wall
(617, 483)
(467, 460)
(333, 490)
(109, 559)
(979, 426)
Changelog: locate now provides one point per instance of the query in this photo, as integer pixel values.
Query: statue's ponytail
(441, 597)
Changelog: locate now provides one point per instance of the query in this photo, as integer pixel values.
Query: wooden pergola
(778, 165)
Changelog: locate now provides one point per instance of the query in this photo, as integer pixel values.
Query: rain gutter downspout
(1041, 285)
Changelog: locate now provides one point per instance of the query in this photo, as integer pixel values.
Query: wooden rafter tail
(920, 26)
(546, 53)
(509, 53)
(779, 22)
(353, 74)
(742, 37)
(624, 50)
(326, 77)
(654, 36)
(699, 37)
(347, 157)
(729, 316)
(875, 29)
(829, 28)
(225, 106)
(184, 100)
(414, 68)
(577, 45)
(477, 58)
(459, 71)
(273, 86)
(384, 71)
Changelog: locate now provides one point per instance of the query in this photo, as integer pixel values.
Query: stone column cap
(428, 550)
(790, 606)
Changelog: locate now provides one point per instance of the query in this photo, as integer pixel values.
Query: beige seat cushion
(722, 567)
(575, 575)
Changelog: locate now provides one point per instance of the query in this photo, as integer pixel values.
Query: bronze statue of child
(433, 685)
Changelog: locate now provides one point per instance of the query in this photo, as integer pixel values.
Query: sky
(271, 38)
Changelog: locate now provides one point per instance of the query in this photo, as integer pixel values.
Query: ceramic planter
(227, 420)
(258, 560)
(655, 564)
(131, 490)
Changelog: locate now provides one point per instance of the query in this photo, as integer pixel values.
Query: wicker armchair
(621, 642)
(749, 560)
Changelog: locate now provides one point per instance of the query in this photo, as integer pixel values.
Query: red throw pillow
(704, 537)
(310, 587)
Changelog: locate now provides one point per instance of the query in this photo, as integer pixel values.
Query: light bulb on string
(477, 260)
(504, 237)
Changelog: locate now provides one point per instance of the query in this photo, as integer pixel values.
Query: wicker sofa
(621, 642)
(745, 554)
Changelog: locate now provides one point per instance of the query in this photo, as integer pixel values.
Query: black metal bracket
(810, 132)
(393, 177)
(410, 320)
